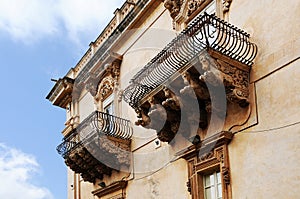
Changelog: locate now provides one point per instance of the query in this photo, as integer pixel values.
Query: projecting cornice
(61, 94)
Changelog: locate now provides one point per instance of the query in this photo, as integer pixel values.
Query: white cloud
(16, 172)
(30, 20)
(27, 20)
(85, 16)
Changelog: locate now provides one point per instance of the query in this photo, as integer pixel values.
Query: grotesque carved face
(169, 4)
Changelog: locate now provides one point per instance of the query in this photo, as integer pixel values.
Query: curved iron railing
(96, 124)
(206, 31)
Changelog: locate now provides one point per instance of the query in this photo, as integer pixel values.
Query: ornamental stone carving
(193, 5)
(203, 159)
(105, 88)
(212, 82)
(100, 86)
(226, 5)
(173, 6)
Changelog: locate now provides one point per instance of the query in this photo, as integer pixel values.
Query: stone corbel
(193, 87)
(226, 5)
(172, 102)
(173, 6)
(235, 79)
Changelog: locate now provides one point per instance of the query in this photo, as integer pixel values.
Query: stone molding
(209, 155)
(61, 94)
(113, 187)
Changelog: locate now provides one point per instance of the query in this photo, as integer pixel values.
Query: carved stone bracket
(226, 5)
(173, 6)
(225, 72)
(93, 160)
(212, 81)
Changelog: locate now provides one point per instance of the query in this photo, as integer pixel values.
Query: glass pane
(208, 193)
(212, 179)
(218, 177)
(109, 109)
(209, 180)
(219, 194)
(213, 192)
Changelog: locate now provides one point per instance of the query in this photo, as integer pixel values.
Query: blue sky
(39, 40)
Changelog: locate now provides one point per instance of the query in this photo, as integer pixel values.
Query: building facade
(186, 99)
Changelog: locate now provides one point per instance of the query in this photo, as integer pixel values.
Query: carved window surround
(183, 11)
(193, 62)
(109, 66)
(113, 187)
(61, 94)
(99, 144)
(210, 155)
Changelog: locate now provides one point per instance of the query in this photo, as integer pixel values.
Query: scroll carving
(226, 175)
(188, 184)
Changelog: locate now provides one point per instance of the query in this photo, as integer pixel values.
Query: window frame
(210, 156)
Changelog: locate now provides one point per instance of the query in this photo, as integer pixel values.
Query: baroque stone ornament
(173, 6)
(221, 73)
(204, 159)
(94, 149)
(105, 88)
(193, 5)
(226, 5)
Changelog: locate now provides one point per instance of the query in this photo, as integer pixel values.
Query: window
(209, 170)
(108, 105)
(212, 186)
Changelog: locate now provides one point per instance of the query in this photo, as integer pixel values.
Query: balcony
(100, 144)
(209, 53)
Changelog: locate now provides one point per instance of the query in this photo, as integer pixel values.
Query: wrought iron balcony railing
(96, 124)
(205, 32)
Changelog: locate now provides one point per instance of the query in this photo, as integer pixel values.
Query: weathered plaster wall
(265, 164)
(86, 105)
(170, 182)
(273, 26)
